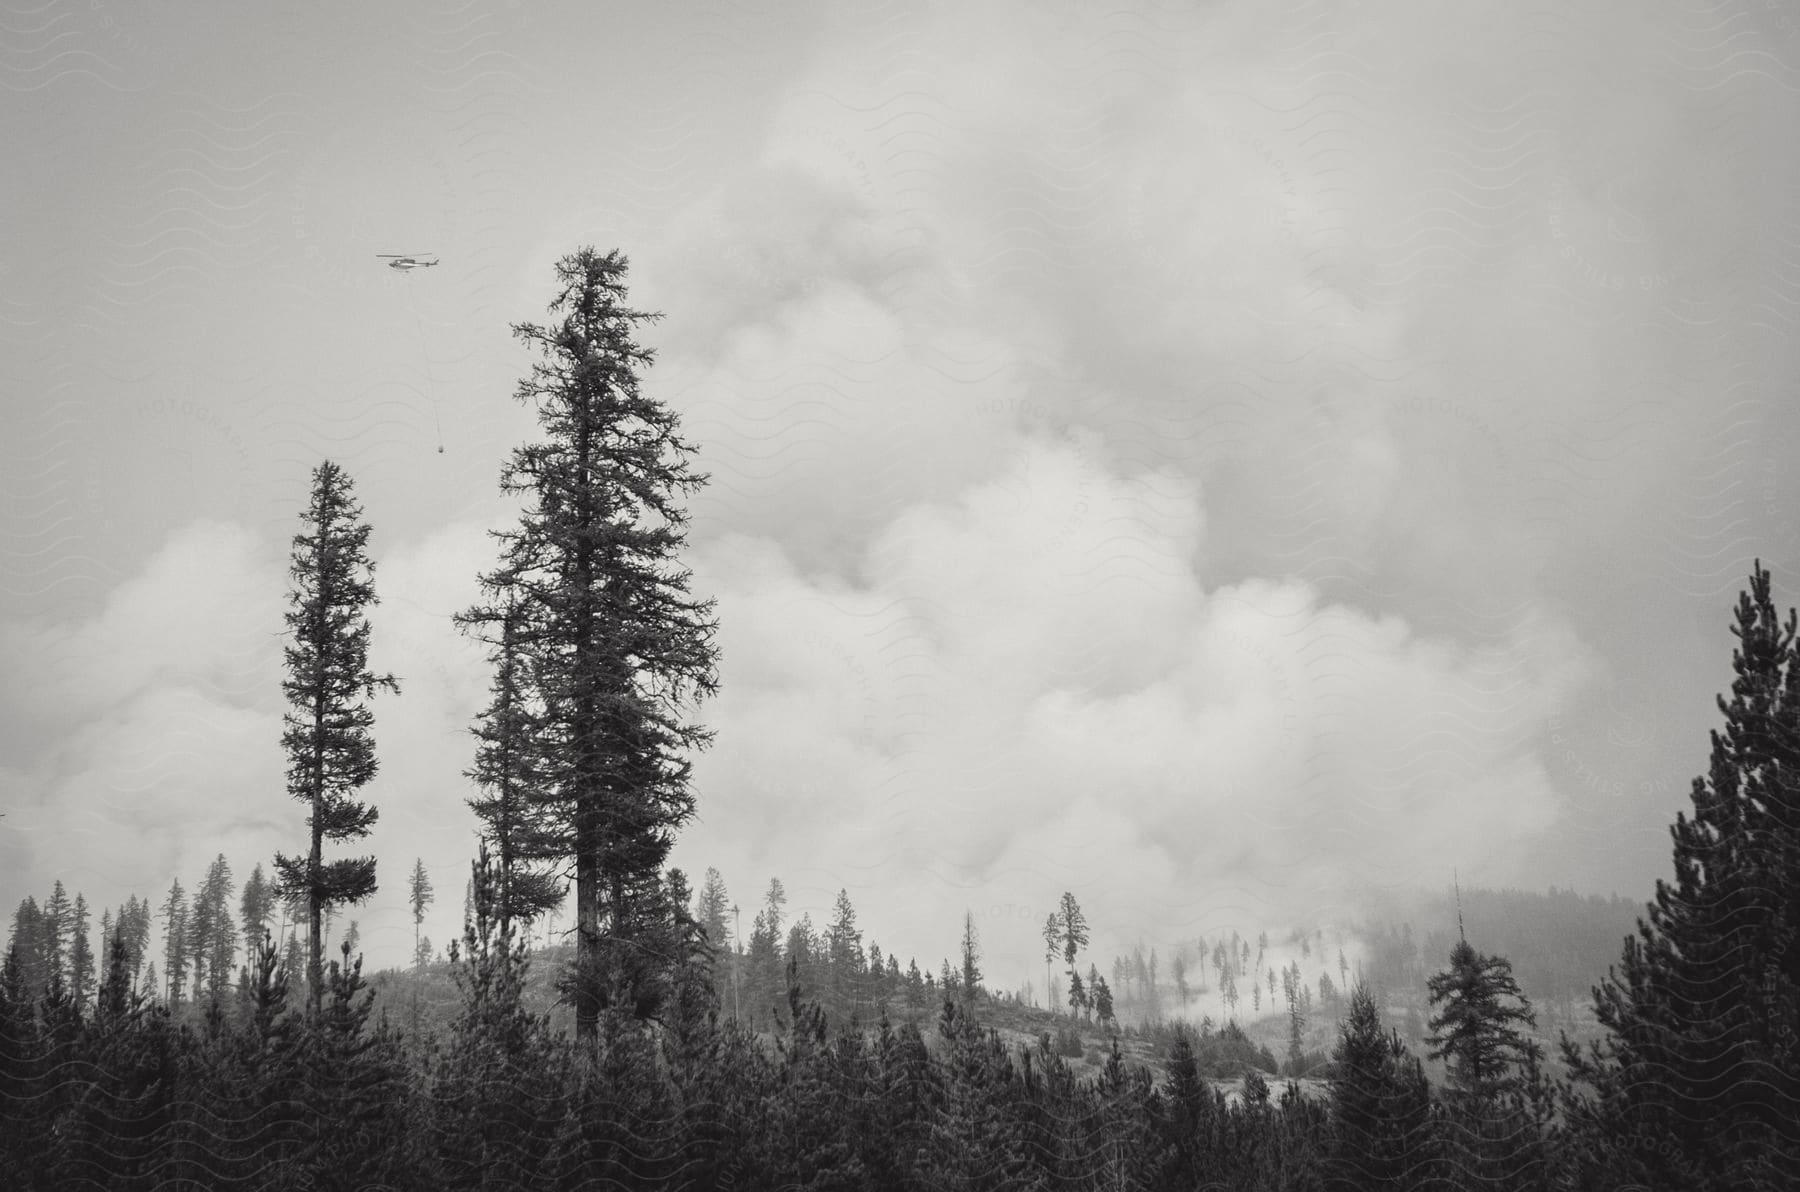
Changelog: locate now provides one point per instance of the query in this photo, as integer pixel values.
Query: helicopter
(408, 260)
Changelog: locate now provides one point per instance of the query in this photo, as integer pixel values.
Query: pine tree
(1052, 946)
(713, 904)
(971, 962)
(212, 933)
(844, 955)
(419, 896)
(612, 644)
(1475, 1028)
(81, 954)
(331, 752)
(1380, 1108)
(56, 933)
(1292, 987)
(1497, 1098)
(255, 907)
(1698, 1081)
(175, 952)
(1074, 929)
(1103, 1002)
(133, 924)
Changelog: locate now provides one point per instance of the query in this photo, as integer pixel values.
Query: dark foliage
(1697, 1085)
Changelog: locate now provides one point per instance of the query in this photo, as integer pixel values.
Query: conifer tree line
(807, 1056)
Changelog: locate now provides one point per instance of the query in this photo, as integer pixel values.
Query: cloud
(1031, 690)
(159, 726)
(1069, 516)
(146, 734)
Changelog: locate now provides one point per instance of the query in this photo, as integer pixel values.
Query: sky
(1218, 459)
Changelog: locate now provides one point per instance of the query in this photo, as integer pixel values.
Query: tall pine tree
(81, 953)
(175, 936)
(331, 752)
(419, 896)
(1698, 1081)
(612, 644)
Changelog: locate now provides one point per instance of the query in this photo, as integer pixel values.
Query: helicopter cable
(430, 378)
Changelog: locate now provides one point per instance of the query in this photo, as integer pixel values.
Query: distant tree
(330, 749)
(123, 925)
(255, 908)
(614, 648)
(1697, 1081)
(293, 956)
(801, 956)
(81, 953)
(1293, 986)
(713, 904)
(1327, 991)
(353, 939)
(1179, 969)
(1074, 939)
(419, 896)
(58, 913)
(774, 899)
(1053, 943)
(843, 955)
(762, 970)
(212, 932)
(175, 947)
(1103, 1002)
(878, 985)
(971, 961)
